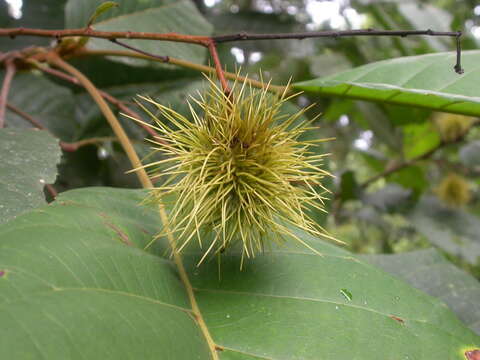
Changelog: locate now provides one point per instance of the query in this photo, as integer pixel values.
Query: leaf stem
(53, 192)
(188, 286)
(57, 61)
(212, 47)
(140, 54)
(54, 59)
(458, 65)
(26, 116)
(10, 70)
(74, 146)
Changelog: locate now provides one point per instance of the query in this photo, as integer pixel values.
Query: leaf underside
(426, 81)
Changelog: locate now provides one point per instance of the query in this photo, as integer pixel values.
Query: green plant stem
(178, 62)
(57, 61)
(188, 286)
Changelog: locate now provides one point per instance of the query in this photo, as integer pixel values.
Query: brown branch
(89, 32)
(347, 33)
(10, 70)
(164, 59)
(26, 116)
(212, 47)
(207, 40)
(242, 36)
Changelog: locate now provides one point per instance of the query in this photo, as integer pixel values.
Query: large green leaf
(162, 16)
(28, 160)
(430, 272)
(426, 81)
(77, 269)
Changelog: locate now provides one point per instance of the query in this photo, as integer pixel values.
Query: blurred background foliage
(376, 205)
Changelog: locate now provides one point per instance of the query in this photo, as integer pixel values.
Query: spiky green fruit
(239, 170)
(453, 126)
(454, 190)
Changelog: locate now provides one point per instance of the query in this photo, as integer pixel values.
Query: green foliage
(75, 279)
(98, 286)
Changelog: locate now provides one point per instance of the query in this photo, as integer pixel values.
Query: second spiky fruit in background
(452, 126)
(454, 191)
(239, 170)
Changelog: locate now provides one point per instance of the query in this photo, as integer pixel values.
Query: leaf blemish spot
(123, 237)
(400, 320)
(2, 273)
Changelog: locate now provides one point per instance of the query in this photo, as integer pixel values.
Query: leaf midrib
(303, 298)
(422, 322)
